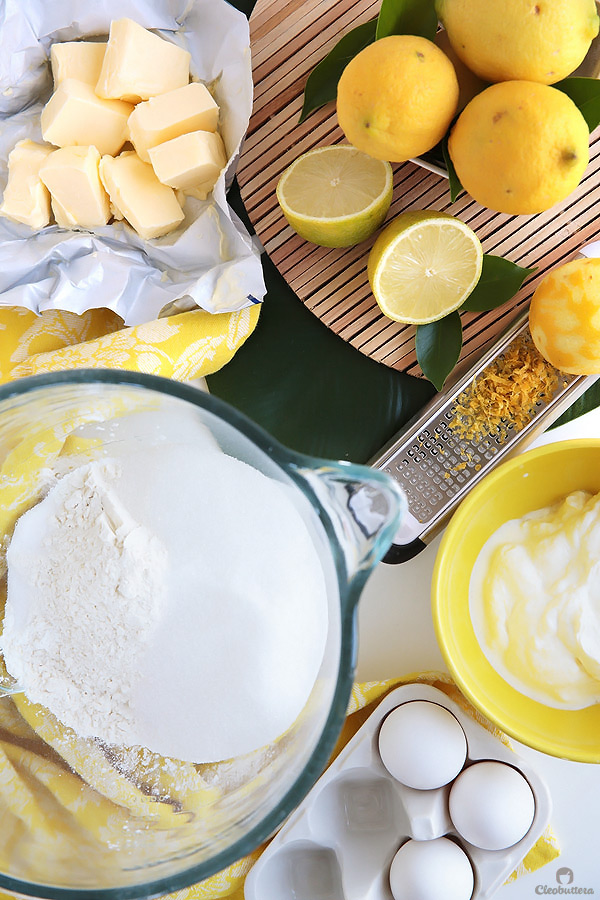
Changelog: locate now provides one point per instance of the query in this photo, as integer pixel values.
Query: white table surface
(396, 638)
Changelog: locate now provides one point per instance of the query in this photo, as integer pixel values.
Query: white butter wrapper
(210, 260)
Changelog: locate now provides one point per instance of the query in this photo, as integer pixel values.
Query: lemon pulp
(423, 266)
(335, 196)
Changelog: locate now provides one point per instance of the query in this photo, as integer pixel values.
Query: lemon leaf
(435, 157)
(589, 400)
(438, 345)
(585, 94)
(500, 280)
(456, 187)
(407, 17)
(321, 84)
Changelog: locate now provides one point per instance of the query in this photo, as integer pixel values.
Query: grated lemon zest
(504, 397)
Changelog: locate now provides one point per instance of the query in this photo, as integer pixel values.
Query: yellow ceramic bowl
(530, 481)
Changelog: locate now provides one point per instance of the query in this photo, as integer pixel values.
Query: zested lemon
(564, 317)
(335, 196)
(423, 266)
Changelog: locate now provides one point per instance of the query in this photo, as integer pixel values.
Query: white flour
(89, 583)
(169, 596)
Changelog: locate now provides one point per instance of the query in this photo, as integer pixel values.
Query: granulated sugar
(169, 597)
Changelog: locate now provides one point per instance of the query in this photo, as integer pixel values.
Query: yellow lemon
(335, 196)
(397, 97)
(532, 40)
(519, 147)
(564, 317)
(424, 265)
(469, 84)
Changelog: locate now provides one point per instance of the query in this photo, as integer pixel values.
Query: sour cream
(534, 600)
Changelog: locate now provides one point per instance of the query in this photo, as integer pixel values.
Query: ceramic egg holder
(340, 842)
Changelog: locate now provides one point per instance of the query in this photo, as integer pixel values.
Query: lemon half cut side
(335, 196)
(423, 266)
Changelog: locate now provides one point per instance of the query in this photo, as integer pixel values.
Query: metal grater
(436, 469)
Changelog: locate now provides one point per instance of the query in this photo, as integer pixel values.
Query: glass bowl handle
(363, 509)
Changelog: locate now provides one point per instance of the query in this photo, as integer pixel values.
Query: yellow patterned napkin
(184, 346)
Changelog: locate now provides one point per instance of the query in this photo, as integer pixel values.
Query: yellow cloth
(41, 800)
(184, 346)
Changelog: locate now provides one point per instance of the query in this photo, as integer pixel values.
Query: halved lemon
(335, 196)
(423, 266)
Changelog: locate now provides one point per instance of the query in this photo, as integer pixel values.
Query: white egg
(491, 805)
(428, 870)
(422, 744)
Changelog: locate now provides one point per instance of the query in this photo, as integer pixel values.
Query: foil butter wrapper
(210, 261)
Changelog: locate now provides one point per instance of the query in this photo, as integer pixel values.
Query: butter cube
(61, 215)
(201, 191)
(78, 197)
(190, 160)
(136, 193)
(75, 117)
(26, 198)
(115, 213)
(138, 64)
(162, 118)
(77, 59)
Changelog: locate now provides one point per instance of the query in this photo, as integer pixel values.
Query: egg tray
(340, 842)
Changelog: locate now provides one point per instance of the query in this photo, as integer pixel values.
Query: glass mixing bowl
(83, 819)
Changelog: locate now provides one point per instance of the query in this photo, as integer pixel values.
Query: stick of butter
(75, 117)
(134, 190)
(189, 160)
(78, 197)
(26, 198)
(162, 118)
(77, 59)
(138, 64)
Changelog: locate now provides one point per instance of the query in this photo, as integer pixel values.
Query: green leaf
(438, 346)
(311, 409)
(407, 17)
(435, 157)
(589, 400)
(585, 94)
(499, 281)
(321, 84)
(456, 187)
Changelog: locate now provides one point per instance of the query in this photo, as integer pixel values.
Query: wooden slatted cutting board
(287, 41)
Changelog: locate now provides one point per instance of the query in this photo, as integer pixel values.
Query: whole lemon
(564, 317)
(397, 97)
(469, 83)
(533, 40)
(519, 147)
